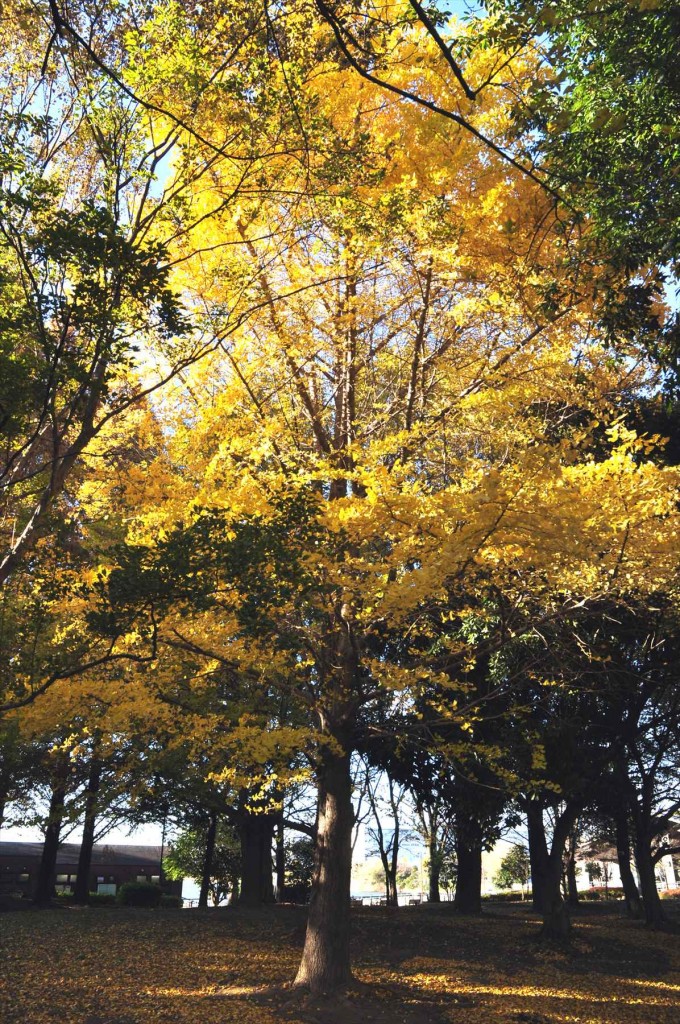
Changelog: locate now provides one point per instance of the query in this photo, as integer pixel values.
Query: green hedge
(598, 892)
(102, 899)
(94, 899)
(139, 894)
(131, 894)
(506, 897)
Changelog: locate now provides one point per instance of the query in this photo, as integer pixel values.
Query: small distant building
(111, 866)
(605, 860)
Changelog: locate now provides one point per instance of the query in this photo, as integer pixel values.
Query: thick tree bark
(630, 889)
(210, 839)
(468, 896)
(44, 888)
(82, 889)
(654, 914)
(556, 921)
(325, 964)
(257, 835)
(546, 868)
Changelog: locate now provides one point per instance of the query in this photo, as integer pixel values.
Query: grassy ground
(416, 965)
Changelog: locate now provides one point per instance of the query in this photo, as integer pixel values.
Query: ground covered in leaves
(417, 965)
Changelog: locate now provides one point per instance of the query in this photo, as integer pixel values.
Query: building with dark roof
(112, 865)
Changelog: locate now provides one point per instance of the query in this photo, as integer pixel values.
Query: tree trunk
(572, 887)
(210, 839)
(257, 834)
(392, 865)
(325, 964)
(434, 869)
(391, 895)
(546, 868)
(538, 852)
(556, 921)
(630, 889)
(280, 861)
(82, 889)
(234, 890)
(468, 897)
(44, 889)
(654, 915)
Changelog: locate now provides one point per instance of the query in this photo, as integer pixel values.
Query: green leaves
(197, 566)
(607, 136)
(116, 284)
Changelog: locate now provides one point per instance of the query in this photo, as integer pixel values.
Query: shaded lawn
(416, 965)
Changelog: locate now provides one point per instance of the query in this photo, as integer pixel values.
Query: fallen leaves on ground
(416, 965)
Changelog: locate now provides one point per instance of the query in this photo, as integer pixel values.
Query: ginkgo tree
(390, 407)
(94, 181)
(97, 187)
(414, 416)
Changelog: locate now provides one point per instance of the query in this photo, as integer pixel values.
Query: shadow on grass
(377, 1003)
(442, 933)
(415, 965)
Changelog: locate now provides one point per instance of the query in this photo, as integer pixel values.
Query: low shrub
(298, 893)
(101, 899)
(94, 899)
(506, 897)
(171, 901)
(139, 894)
(599, 892)
(63, 898)
(670, 894)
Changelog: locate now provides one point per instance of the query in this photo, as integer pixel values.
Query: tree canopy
(334, 375)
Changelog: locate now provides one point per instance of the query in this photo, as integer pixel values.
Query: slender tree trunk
(164, 834)
(82, 889)
(257, 834)
(208, 860)
(654, 915)
(325, 964)
(434, 868)
(391, 895)
(572, 887)
(280, 861)
(234, 890)
(468, 897)
(393, 863)
(538, 852)
(44, 889)
(630, 889)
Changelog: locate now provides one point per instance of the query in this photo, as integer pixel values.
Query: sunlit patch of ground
(413, 966)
